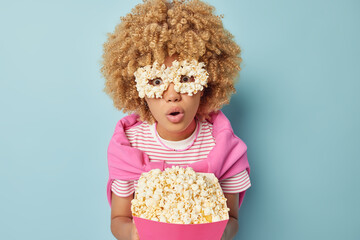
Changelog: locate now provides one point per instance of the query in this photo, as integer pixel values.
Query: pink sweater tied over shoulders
(226, 159)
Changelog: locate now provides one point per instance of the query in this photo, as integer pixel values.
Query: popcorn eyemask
(188, 77)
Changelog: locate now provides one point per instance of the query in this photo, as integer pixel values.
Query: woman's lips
(175, 114)
(175, 118)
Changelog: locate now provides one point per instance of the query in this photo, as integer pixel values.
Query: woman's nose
(170, 95)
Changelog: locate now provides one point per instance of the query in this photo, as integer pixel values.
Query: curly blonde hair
(159, 28)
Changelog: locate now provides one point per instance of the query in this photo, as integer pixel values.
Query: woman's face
(174, 112)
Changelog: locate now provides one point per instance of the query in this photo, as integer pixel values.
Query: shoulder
(127, 122)
(124, 124)
(219, 122)
(138, 129)
(206, 132)
(206, 126)
(222, 129)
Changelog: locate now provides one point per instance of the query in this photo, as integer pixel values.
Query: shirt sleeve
(237, 183)
(122, 188)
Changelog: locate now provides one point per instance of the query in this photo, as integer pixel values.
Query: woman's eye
(156, 82)
(186, 79)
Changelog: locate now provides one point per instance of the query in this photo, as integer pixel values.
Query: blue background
(297, 109)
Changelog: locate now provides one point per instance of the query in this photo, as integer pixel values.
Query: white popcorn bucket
(153, 230)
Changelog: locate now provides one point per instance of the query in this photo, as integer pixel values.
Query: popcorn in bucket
(179, 203)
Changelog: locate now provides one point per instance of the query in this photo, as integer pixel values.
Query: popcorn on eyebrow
(171, 75)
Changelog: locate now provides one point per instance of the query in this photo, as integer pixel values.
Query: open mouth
(174, 113)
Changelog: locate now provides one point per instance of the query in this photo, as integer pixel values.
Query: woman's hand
(232, 225)
(134, 233)
(122, 223)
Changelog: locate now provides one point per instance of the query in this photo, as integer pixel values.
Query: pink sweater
(227, 158)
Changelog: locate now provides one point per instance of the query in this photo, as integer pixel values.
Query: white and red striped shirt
(198, 146)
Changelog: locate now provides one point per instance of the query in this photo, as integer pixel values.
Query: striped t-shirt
(198, 146)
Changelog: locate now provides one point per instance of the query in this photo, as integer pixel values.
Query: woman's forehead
(169, 60)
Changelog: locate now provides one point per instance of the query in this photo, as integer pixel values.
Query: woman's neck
(176, 136)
